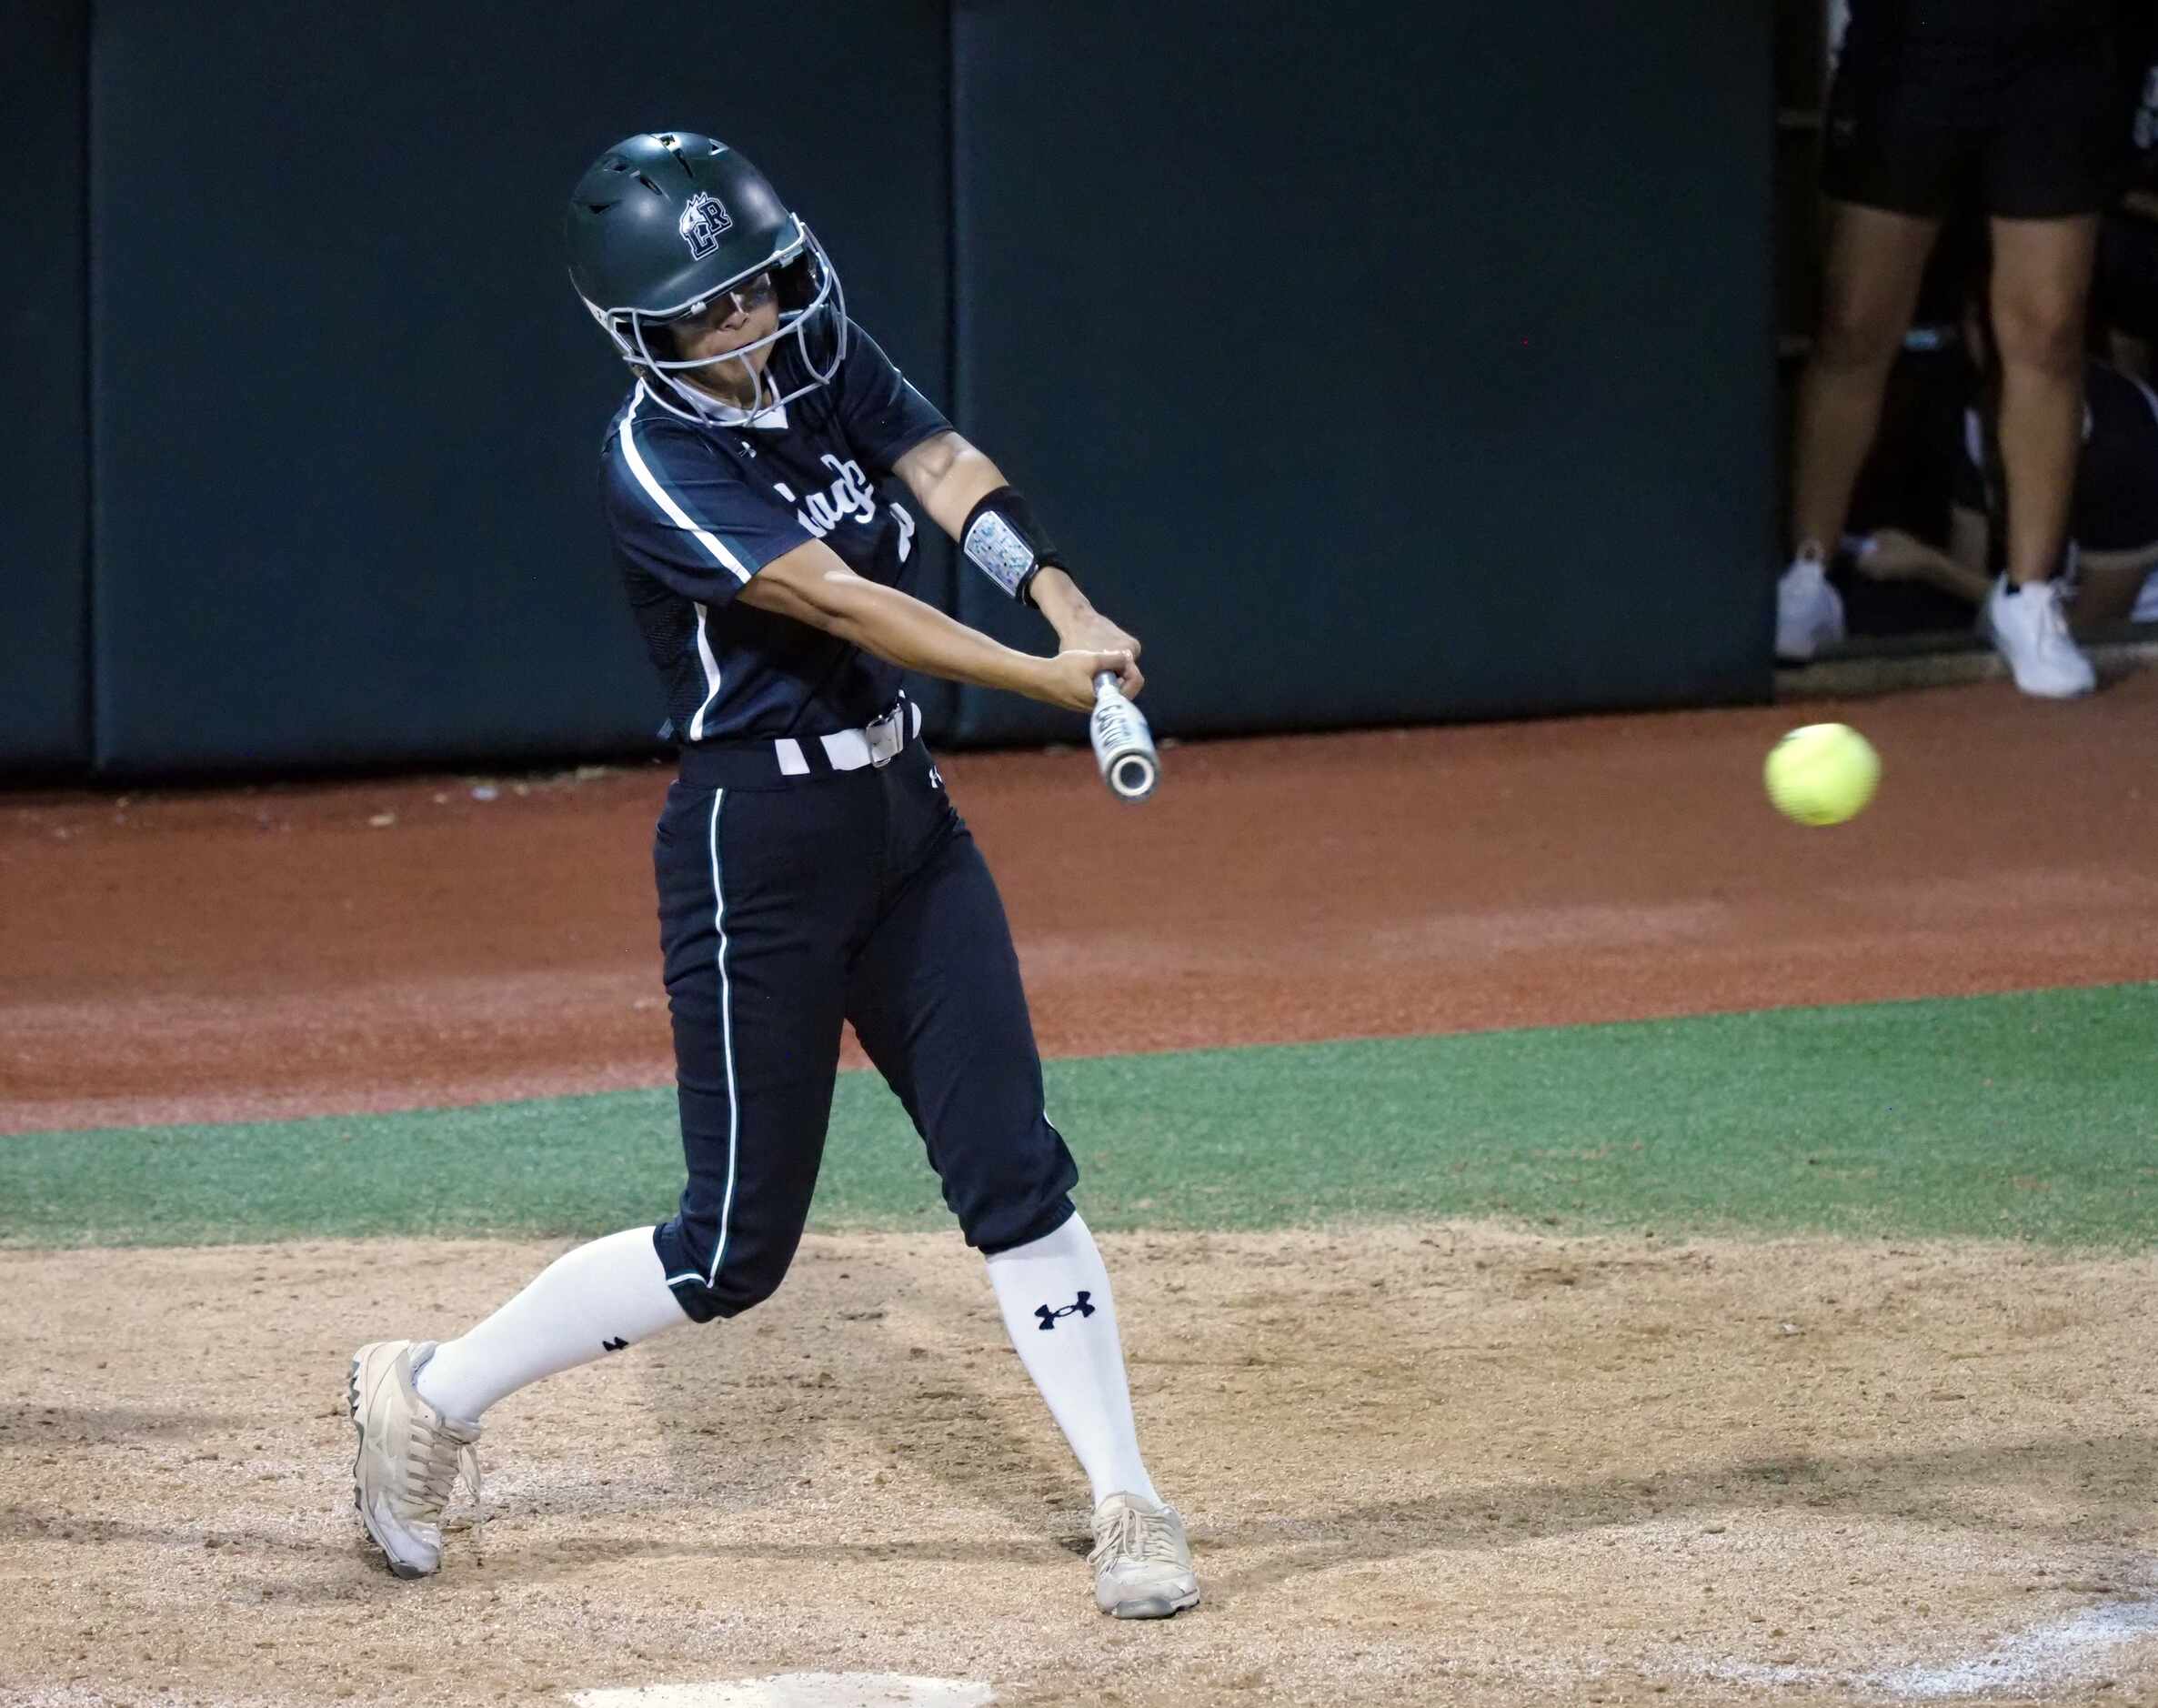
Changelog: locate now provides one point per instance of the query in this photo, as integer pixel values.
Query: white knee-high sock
(1054, 1293)
(587, 1303)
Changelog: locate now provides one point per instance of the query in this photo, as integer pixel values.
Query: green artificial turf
(2031, 1116)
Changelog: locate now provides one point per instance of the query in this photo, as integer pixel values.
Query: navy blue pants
(786, 907)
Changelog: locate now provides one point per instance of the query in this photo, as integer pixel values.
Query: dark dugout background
(45, 571)
(1409, 365)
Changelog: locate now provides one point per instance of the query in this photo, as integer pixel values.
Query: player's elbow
(924, 466)
(815, 588)
(835, 602)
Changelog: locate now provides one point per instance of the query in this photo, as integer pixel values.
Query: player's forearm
(1058, 598)
(901, 630)
(949, 477)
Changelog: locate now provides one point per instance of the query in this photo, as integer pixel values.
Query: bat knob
(1133, 776)
(1123, 744)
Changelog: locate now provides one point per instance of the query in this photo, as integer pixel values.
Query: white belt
(875, 744)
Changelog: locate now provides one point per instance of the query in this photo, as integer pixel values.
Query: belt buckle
(885, 741)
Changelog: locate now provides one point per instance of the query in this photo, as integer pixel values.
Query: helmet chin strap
(663, 378)
(714, 407)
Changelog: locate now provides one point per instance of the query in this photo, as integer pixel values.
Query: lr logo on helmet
(703, 223)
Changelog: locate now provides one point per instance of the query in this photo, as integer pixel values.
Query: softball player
(810, 868)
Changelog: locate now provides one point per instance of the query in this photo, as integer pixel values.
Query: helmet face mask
(665, 223)
(816, 329)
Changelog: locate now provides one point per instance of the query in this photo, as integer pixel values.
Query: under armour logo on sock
(612, 1346)
(1049, 1318)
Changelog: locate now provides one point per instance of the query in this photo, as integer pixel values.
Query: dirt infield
(1421, 1465)
(207, 956)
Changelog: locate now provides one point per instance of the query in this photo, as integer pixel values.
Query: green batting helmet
(665, 221)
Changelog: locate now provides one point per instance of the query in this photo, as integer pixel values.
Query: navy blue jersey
(696, 508)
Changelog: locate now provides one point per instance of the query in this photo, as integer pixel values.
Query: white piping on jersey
(680, 518)
(711, 665)
(665, 499)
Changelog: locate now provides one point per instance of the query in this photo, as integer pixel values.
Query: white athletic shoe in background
(409, 1456)
(1808, 612)
(2027, 625)
(1142, 1563)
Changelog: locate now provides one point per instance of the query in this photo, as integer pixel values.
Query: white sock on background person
(595, 1300)
(1055, 1297)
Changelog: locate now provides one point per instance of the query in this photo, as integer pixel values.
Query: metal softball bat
(1123, 744)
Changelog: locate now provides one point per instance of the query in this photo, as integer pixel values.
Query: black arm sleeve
(1002, 539)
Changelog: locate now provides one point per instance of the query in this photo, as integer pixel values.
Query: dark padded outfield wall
(43, 703)
(347, 411)
(1378, 362)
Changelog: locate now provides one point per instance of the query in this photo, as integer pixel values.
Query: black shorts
(2128, 276)
(2032, 130)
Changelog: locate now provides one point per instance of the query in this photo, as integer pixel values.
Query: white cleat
(1808, 612)
(1142, 1561)
(2028, 629)
(409, 1456)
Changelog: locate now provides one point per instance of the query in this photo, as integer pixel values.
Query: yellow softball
(1821, 773)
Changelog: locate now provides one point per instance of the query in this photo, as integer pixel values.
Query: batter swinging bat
(1123, 744)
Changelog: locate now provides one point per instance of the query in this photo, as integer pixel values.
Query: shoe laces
(2052, 622)
(1134, 1535)
(435, 1460)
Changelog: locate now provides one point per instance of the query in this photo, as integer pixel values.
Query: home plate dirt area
(1535, 1346)
(1447, 1463)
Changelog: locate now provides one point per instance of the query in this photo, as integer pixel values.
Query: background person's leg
(2050, 168)
(2042, 279)
(2042, 283)
(1876, 261)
